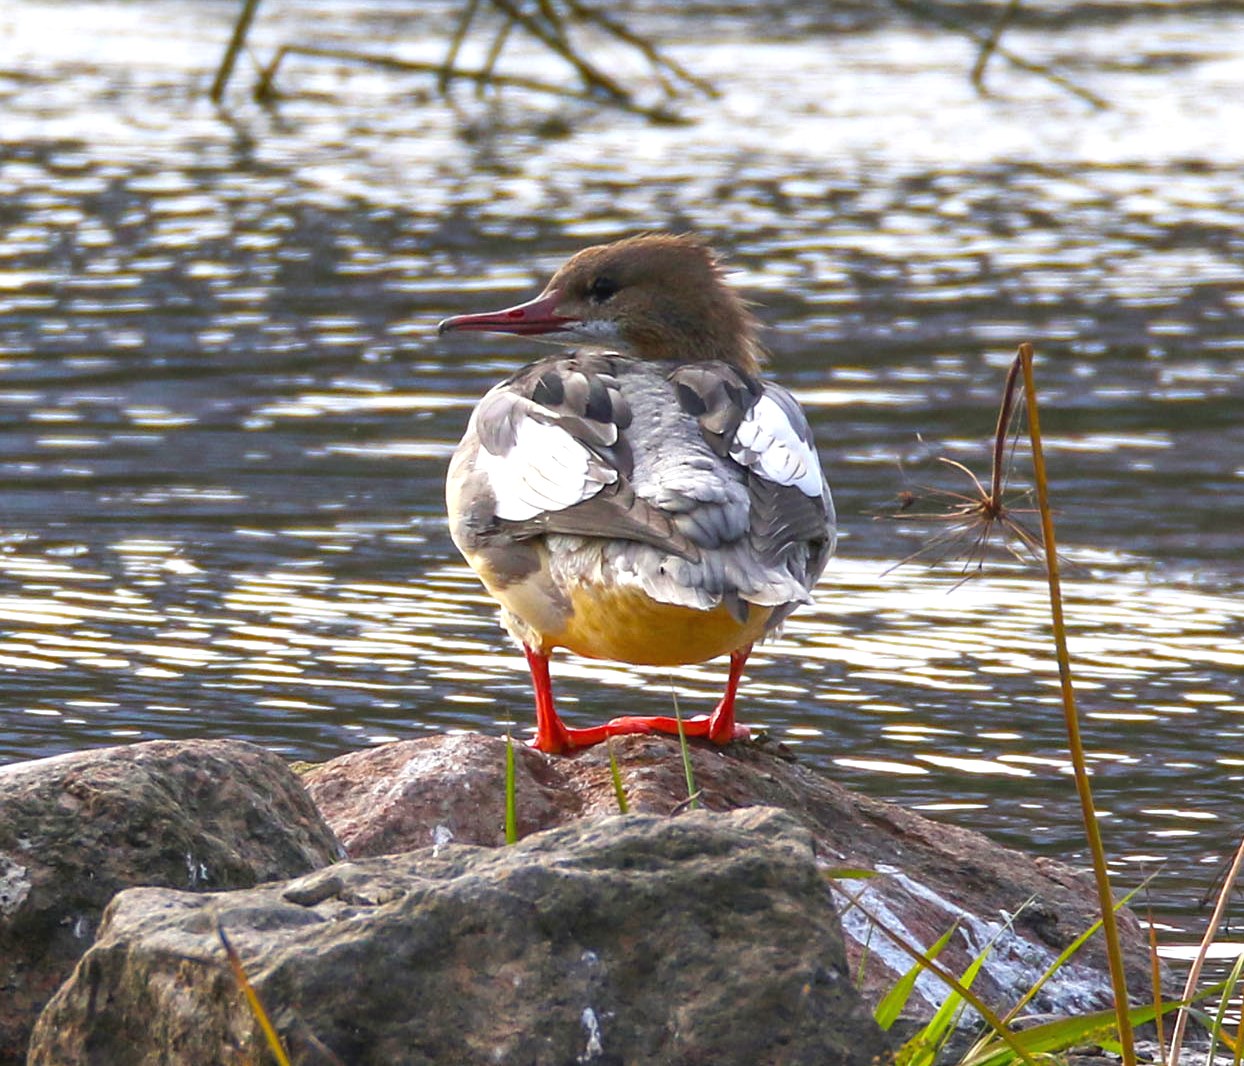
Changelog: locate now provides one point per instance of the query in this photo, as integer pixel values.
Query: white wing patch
(768, 443)
(546, 470)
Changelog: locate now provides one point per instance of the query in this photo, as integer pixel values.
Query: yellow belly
(627, 625)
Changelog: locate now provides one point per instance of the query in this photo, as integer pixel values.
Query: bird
(647, 496)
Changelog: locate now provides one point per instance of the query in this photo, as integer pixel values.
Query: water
(225, 415)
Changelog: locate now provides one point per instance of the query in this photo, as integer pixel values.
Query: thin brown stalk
(937, 14)
(236, 43)
(1155, 977)
(1194, 971)
(657, 59)
(455, 44)
(594, 79)
(990, 44)
(1092, 829)
(252, 998)
(1006, 412)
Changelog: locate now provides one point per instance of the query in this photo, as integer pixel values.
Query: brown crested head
(656, 296)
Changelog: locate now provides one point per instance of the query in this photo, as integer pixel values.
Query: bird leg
(552, 735)
(719, 726)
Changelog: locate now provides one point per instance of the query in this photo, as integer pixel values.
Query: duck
(646, 496)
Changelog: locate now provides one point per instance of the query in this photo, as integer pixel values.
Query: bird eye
(601, 289)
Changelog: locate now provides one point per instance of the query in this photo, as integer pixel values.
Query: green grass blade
(945, 976)
(1054, 1036)
(1238, 1050)
(618, 791)
(511, 802)
(930, 1040)
(893, 1002)
(1064, 956)
(693, 800)
(924, 1048)
(860, 969)
(1068, 952)
(1215, 1030)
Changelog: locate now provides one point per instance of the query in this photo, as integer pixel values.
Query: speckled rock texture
(931, 875)
(76, 829)
(705, 938)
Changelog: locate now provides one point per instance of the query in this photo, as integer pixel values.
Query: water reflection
(224, 415)
(873, 678)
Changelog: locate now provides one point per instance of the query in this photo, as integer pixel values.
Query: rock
(706, 938)
(395, 797)
(75, 829)
(931, 875)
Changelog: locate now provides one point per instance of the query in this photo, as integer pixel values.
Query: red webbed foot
(561, 738)
(553, 737)
(718, 730)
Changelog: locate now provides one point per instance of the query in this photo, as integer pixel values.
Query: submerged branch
(952, 22)
(264, 88)
(236, 43)
(657, 59)
(990, 44)
(551, 33)
(547, 22)
(455, 44)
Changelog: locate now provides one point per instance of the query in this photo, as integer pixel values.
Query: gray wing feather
(761, 431)
(721, 499)
(581, 397)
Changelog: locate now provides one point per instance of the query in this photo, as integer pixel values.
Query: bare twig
(594, 79)
(948, 21)
(236, 43)
(264, 88)
(990, 44)
(494, 53)
(455, 44)
(556, 26)
(546, 22)
(656, 59)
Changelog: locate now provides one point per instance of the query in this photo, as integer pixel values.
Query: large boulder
(930, 876)
(76, 829)
(706, 938)
(413, 793)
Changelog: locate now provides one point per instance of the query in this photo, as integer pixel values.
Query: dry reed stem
(1194, 972)
(252, 998)
(1114, 951)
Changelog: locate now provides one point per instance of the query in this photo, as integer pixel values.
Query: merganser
(648, 497)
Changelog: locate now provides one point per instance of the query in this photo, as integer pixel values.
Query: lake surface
(225, 415)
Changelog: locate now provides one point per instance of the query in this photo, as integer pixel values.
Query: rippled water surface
(225, 415)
